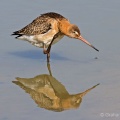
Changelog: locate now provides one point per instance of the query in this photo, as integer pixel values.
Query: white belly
(41, 41)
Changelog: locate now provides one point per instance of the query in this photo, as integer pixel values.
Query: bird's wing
(41, 99)
(38, 26)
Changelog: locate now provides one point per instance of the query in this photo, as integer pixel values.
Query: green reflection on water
(49, 93)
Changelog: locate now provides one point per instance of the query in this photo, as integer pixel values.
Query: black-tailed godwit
(48, 29)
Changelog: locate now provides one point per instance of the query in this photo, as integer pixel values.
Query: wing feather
(38, 26)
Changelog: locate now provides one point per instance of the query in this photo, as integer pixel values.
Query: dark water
(73, 64)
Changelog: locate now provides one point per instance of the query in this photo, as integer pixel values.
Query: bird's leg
(49, 69)
(48, 57)
(46, 52)
(49, 47)
(44, 49)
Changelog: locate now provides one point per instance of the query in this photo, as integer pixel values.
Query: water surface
(73, 63)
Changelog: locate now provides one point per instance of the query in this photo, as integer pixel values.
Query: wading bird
(48, 29)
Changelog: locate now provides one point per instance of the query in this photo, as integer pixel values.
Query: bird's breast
(46, 38)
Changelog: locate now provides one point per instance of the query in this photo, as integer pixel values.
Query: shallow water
(74, 66)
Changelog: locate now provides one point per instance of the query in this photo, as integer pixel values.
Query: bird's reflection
(49, 93)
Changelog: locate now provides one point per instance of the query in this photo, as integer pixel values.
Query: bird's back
(42, 30)
(40, 25)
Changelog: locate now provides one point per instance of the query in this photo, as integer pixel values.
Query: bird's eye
(75, 32)
(77, 101)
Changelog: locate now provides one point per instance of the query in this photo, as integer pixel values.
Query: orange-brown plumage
(48, 29)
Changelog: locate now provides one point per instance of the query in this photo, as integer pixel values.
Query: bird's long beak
(85, 41)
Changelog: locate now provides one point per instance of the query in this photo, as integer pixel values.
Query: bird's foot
(45, 51)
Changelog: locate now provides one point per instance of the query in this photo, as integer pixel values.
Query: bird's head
(74, 32)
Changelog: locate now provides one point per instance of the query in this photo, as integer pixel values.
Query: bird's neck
(64, 26)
